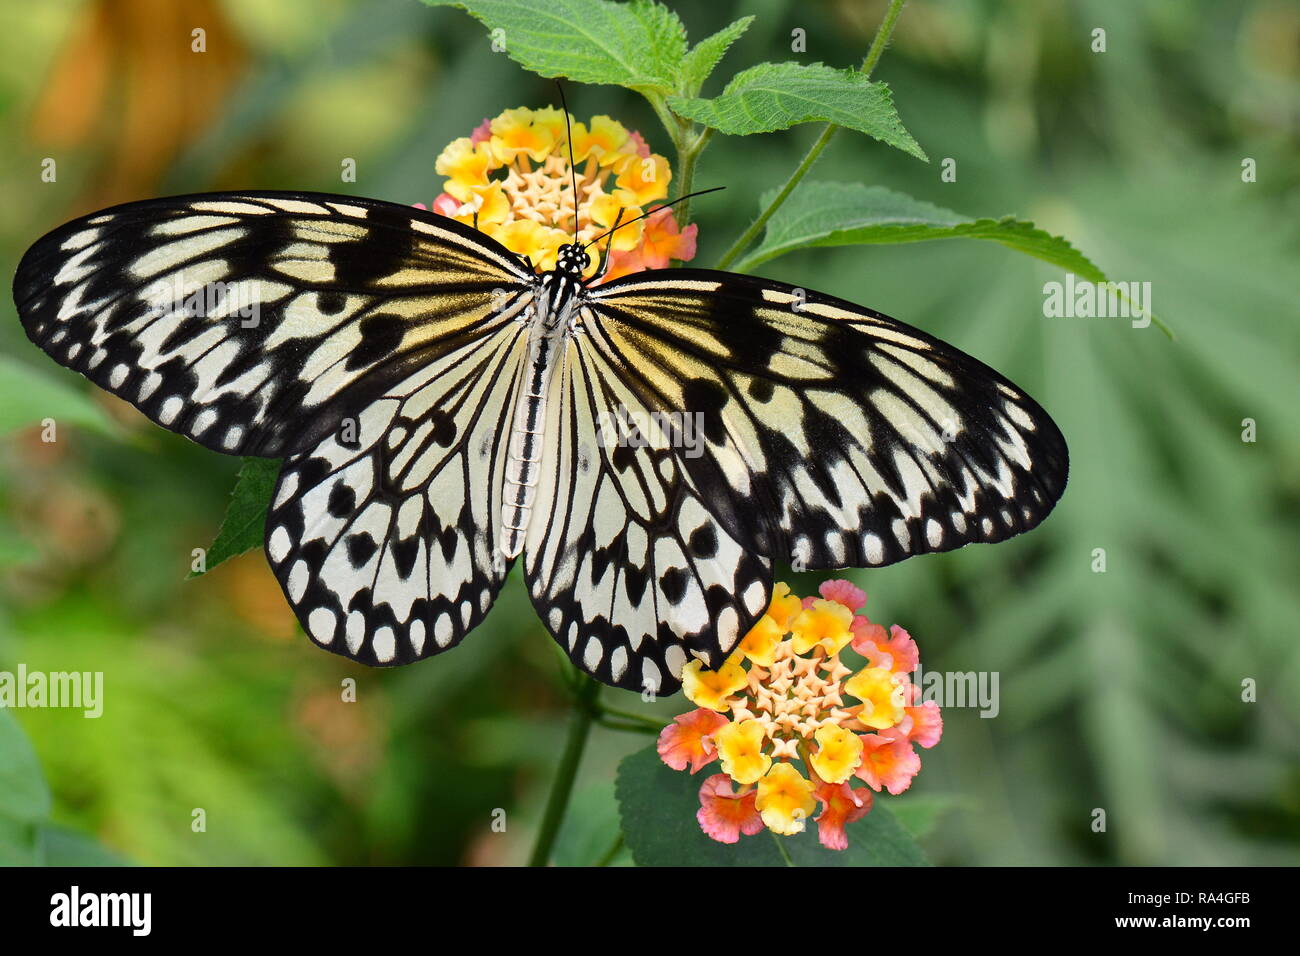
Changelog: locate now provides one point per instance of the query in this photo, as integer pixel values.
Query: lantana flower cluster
(794, 727)
(511, 179)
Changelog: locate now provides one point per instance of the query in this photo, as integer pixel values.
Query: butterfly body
(441, 408)
(550, 320)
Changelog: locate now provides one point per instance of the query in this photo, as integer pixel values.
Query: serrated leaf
(244, 525)
(639, 45)
(658, 805)
(28, 396)
(706, 54)
(773, 96)
(845, 214)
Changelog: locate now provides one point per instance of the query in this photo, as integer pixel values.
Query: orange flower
(784, 701)
(724, 814)
(688, 740)
(888, 762)
(841, 805)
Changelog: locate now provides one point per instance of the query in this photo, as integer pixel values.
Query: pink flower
(482, 132)
(688, 740)
(897, 651)
(664, 241)
(845, 592)
(888, 762)
(841, 805)
(446, 205)
(724, 814)
(927, 724)
(642, 148)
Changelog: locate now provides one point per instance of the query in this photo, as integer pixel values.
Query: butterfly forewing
(253, 322)
(834, 436)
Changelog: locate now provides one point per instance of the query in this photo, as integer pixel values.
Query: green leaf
(590, 827)
(245, 523)
(28, 396)
(639, 45)
(704, 56)
(845, 214)
(658, 806)
(773, 96)
(24, 795)
(918, 814)
(60, 846)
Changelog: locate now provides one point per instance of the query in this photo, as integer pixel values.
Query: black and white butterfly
(440, 409)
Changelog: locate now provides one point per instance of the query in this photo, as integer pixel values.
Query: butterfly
(648, 446)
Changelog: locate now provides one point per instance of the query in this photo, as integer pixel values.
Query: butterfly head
(572, 259)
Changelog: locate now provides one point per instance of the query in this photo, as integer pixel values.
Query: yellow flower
(645, 179)
(839, 753)
(883, 694)
(785, 799)
(785, 606)
(740, 745)
(706, 688)
(604, 211)
(606, 140)
(760, 643)
(516, 167)
(490, 203)
(466, 165)
(521, 132)
(826, 623)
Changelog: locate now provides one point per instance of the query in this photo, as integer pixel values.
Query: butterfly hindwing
(387, 546)
(252, 322)
(833, 435)
(624, 561)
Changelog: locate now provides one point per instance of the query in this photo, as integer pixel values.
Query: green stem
(608, 857)
(649, 722)
(780, 848)
(562, 787)
(630, 728)
(688, 155)
(878, 45)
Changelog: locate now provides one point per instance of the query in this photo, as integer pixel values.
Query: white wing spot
(385, 644)
(444, 629)
(321, 625)
(278, 545)
(299, 575)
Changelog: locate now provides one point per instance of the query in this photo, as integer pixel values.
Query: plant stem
(780, 848)
(883, 32)
(562, 786)
(608, 857)
(649, 722)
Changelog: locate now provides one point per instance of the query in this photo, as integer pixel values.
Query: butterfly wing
(623, 561)
(387, 547)
(254, 322)
(832, 435)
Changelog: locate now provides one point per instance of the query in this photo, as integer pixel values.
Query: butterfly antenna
(651, 212)
(573, 172)
(604, 262)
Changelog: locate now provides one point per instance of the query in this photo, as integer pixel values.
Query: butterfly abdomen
(527, 439)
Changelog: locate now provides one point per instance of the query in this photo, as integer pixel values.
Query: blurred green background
(1119, 690)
